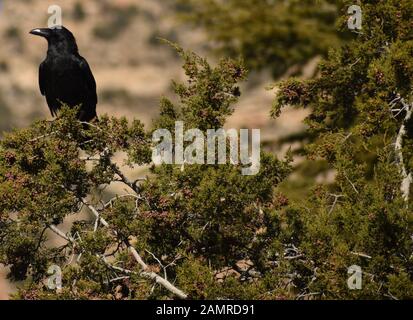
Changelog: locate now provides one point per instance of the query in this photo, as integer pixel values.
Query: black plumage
(65, 76)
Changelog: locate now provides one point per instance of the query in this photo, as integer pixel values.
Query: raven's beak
(42, 32)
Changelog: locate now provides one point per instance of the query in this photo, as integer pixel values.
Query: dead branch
(407, 176)
(145, 273)
(362, 255)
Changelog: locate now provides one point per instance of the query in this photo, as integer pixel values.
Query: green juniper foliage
(280, 37)
(207, 231)
(360, 106)
(179, 219)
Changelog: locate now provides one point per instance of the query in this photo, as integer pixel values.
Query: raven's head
(59, 38)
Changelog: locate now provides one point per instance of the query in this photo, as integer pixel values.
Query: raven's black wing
(42, 78)
(89, 81)
(44, 84)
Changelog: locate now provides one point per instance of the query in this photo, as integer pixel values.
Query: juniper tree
(361, 120)
(181, 232)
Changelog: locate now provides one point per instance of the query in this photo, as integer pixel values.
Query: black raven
(65, 76)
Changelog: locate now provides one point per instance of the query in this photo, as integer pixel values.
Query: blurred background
(133, 69)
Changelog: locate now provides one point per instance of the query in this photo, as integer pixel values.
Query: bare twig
(352, 184)
(399, 111)
(97, 214)
(159, 262)
(362, 255)
(43, 136)
(61, 233)
(347, 137)
(146, 272)
(389, 295)
(95, 228)
(294, 257)
(119, 278)
(407, 176)
(354, 63)
(336, 197)
(304, 295)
